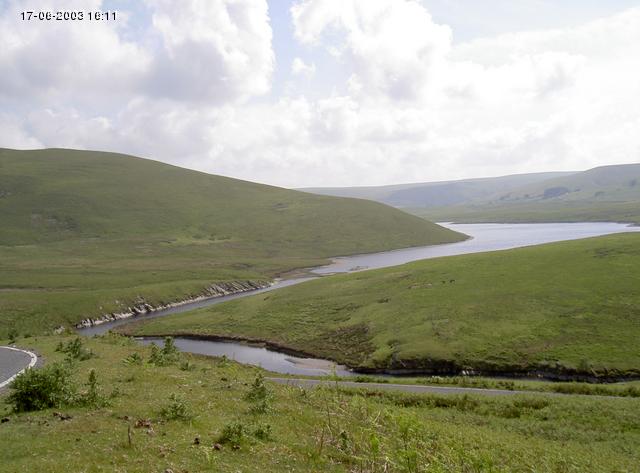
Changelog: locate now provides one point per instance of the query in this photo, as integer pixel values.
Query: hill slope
(607, 193)
(570, 307)
(89, 232)
(51, 195)
(437, 194)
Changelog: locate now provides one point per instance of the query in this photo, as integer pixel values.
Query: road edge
(32, 363)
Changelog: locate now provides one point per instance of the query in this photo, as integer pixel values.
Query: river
(484, 237)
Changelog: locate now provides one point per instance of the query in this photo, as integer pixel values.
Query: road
(12, 362)
(408, 388)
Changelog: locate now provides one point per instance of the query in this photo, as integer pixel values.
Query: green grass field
(570, 307)
(85, 233)
(304, 430)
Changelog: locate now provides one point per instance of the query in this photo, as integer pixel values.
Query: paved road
(12, 361)
(408, 388)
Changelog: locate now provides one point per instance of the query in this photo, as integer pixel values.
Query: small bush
(177, 409)
(133, 359)
(75, 350)
(233, 434)
(186, 365)
(258, 390)
(13, 335)
(92, 397)
(258, 395)
(38, 389)
(166, 356)
(262, 432)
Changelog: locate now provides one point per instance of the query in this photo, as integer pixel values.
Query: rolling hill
(437, 194)
(606, 193)
(86, 232)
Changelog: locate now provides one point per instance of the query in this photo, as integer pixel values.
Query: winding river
(484, 237)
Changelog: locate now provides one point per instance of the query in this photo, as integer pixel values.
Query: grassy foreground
(570, 307)
(85, 233)
(303, 430)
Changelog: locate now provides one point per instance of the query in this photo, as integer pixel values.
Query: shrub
(258, 395)
(258, 390)
(177, 409)
(37, 389)
(75, 350)
(187, 366)
(13, 334)
(92, 397)
(262, 432)
(233, 434)
(133, 359)
(165, 356)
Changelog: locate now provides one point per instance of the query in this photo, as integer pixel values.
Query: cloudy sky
(330, 92)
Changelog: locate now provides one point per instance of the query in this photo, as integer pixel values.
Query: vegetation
(85, 233)
(439, 194)
(606, 194)
(567, 308)
(324, 429)
(535, 212)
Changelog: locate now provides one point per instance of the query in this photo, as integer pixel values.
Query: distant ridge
(439, 193)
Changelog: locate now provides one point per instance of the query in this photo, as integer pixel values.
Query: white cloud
(407, 105)
(212, 51)
(394, 47)
(299, 67)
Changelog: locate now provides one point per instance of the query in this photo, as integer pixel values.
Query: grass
(623, 389)
(199, 420)
(85, 233)
(565, 308)
(537, 212)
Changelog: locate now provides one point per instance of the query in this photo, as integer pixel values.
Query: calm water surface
(485, 237)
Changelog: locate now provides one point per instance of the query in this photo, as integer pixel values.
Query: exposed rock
(142, 307)
(142, 423)
(62, 416)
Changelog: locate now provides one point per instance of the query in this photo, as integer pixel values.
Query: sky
(301, 93)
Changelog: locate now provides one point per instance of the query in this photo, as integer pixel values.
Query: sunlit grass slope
(86, 232)
(327, 430)
(570, 307)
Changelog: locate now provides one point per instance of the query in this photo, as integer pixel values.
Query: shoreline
(212, 291)
(445, 368)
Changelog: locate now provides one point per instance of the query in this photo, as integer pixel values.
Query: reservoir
(484, 237)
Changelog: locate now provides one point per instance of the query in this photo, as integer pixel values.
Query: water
(105, 327)
(257, 356)
(485, 237)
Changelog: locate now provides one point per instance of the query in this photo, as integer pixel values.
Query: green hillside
(607, 193)
(437, 194)
(570, 307)
(87, 232)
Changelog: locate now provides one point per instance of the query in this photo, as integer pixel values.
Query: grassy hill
(607, 193)
(564, 308)
(437, 194)
(88, 232)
